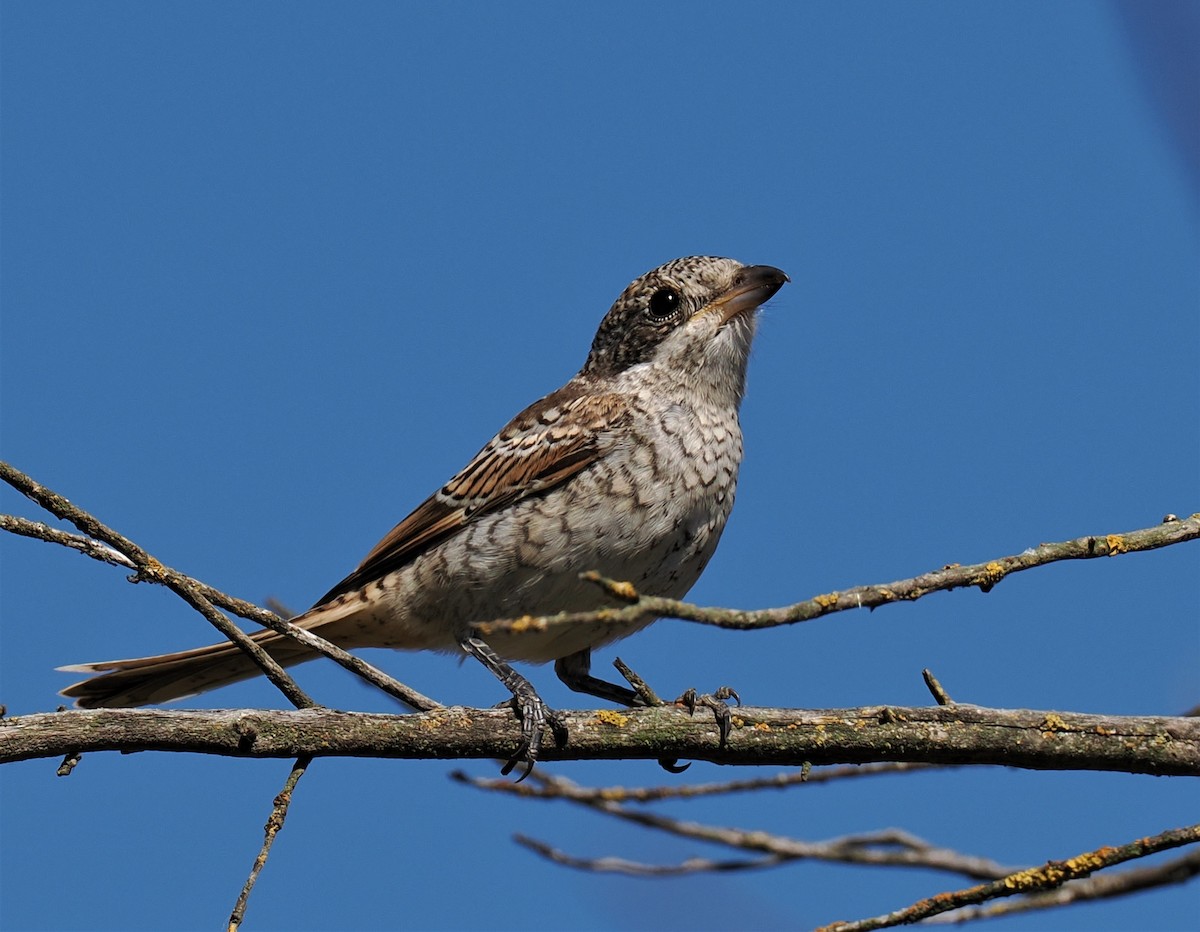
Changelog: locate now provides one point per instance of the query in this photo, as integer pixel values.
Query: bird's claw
(530, 709)
(535, 715)
(716, 701)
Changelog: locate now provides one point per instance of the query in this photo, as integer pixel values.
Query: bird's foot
(529, 706)
(535, 716)
(691, 700)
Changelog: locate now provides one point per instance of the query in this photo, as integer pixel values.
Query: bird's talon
(533, 713)
(672, 765)
(724, 721)
(535, 716)
(727, 692)
(690, 700)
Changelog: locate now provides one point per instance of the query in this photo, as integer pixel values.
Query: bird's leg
(533, 712)
(574, 671)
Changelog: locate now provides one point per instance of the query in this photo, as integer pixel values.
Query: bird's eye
(663, 303)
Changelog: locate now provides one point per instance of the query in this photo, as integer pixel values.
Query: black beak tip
(766, 277)
(771, 273)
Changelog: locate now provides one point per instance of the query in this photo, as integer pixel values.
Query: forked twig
(1050, 876)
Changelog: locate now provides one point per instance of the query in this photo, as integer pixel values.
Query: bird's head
(693, 316)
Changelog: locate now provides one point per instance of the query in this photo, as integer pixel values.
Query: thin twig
(615, 865)
(151, 569)
(1051, 875)
(640, 686)
(935, 688)
(85, 545)
(69, 762)
(647, 794)
(1100, 887)
(889, 847)
(270, 830)
(955, 576)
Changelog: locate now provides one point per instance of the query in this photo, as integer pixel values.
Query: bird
(628, 470)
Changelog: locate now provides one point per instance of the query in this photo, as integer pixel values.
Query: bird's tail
(163, 677)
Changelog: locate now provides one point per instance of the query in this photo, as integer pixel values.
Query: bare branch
(85, 545)
(935, 688)
(890, 847)
(614, 865)
(954, 576)
(1104, 886)
(274, 823)
(1051, 875)
(957, 734)
(877, 849)
(645, 794)
(150, 569)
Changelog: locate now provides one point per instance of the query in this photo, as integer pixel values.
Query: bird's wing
(544, 445)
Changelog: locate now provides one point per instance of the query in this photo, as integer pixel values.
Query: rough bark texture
(956, 734)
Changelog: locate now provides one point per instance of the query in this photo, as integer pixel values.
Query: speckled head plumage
(705, 294)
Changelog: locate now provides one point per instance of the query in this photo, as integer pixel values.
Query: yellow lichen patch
(1053, 722)
(828, 600)
(1116, 544)
(762, 726)
(737, 722)
(1036, 878)
(993, 572)
(623, 590)
(152, 570)
(820, 734)
(524, 623)
(1101, 730)
(612, 717)
(1086, 863)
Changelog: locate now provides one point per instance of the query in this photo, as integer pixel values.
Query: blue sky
(272, 272)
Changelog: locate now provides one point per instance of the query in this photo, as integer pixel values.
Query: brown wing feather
(544, 445)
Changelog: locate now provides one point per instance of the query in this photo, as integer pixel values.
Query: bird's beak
(752, 286)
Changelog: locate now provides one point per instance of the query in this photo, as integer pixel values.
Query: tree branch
(121, 551)
(149, 569)
(959, 734)
(1173, 530)
(279, 810)
(805, 776)
(1050, 876)
(1100, 887)
(889, 847)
